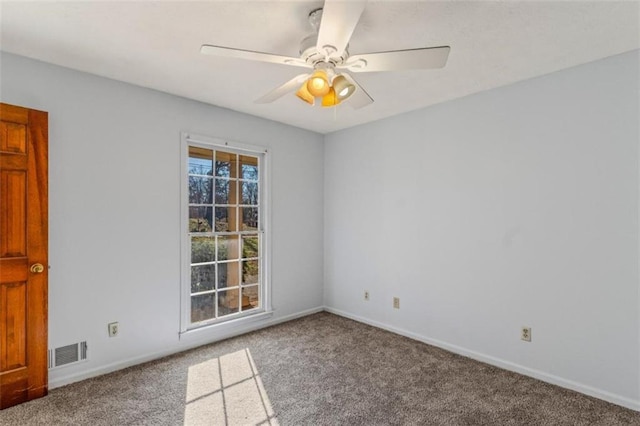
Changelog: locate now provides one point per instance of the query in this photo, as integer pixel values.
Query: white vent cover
(65, 355)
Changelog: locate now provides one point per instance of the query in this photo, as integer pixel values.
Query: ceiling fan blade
(397, 60)
(279, 92)
(229, 52)
(339, 19)
(360, 97)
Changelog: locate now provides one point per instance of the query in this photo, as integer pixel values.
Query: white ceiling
(156, 44)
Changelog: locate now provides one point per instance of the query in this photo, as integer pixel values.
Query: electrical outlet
(396, 302)
(113, 329)
(366, 296)
(525, 334)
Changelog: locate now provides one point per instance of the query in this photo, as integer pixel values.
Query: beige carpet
(318, 370)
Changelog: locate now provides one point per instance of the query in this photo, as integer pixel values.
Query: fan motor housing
(311, 55)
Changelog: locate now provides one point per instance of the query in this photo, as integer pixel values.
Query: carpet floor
(318, 370)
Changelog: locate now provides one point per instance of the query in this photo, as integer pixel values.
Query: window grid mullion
(215, 240)
(201, 293)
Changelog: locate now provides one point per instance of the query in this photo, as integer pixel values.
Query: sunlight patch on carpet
(227, 391)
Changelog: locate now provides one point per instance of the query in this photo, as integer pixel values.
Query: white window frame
(190, 139)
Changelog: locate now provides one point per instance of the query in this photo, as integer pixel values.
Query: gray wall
(115, 204)
(513, 207)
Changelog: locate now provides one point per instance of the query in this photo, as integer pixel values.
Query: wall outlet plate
(396, 303)
(114, 329)
(366, 295)
(525, 334)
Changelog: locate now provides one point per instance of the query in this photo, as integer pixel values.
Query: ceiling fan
(326, 53)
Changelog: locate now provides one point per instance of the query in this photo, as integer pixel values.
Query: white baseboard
(506, 365)
(205, 340)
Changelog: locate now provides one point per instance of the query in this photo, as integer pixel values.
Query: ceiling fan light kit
(343, 87)
(318, 84)
(303, 93)
(331, 91)
(330, 99)
(326, 52)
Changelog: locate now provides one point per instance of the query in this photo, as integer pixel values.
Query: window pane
(250, 272)
(200, 190)
(203, 249)
(225, 219)
(203, 278)
(226, 164)
(200, 219)
(228, 302)
(249, 167)
(200, 161)
(228, 247)
(250, 297)
(250, 193)
(228, 275)
(249, 246)
(202, 307)
(249, 219)
(226, 191)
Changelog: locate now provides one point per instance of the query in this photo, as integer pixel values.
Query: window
(223, 231)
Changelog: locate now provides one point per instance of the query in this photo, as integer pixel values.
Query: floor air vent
(65, 355)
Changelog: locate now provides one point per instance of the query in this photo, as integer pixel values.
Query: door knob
(37, 268)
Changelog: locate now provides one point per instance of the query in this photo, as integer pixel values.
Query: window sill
(224, 330)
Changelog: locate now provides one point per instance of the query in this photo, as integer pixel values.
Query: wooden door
(23, 254)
